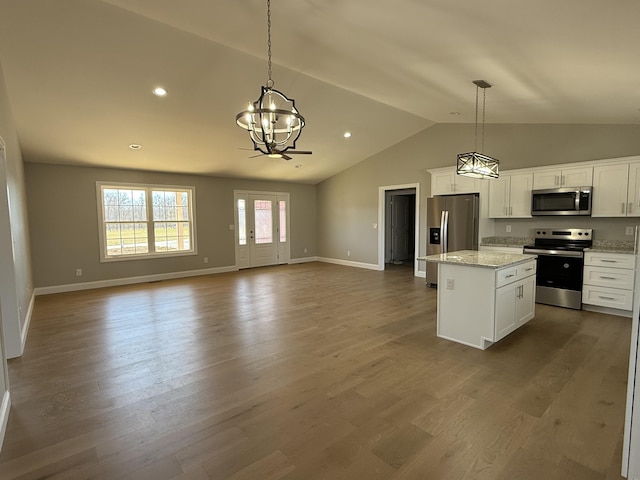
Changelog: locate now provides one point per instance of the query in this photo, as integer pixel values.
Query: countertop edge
(514, 259)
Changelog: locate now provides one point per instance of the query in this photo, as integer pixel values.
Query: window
(283, 221)
(263, 221)
(242, 222)
(145, 221)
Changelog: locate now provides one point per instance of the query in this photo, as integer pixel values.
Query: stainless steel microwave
(561, 201)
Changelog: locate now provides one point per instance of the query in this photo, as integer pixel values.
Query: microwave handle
(577, 200)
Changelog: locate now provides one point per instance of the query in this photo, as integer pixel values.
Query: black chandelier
(273, 121)
(475, 164)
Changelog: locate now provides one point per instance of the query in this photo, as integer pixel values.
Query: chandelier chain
(475, 147)
(484, 102)
(270, 80)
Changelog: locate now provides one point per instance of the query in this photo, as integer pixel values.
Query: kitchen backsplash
(603, 228)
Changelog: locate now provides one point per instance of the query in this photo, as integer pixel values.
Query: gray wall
(64, 224)
(16, 288)
(348, 202)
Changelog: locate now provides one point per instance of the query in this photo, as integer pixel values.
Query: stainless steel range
(560, 264)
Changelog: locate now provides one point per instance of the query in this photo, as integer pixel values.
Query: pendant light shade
(475, 164)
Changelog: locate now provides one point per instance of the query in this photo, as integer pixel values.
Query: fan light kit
(273, 121)
(475, 164)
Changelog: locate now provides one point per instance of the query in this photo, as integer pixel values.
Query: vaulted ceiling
(79, 74)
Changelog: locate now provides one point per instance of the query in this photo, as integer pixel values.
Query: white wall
(16, 286)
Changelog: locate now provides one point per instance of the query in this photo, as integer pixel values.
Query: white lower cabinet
(479, 306)
(515, 305)
(608, 280)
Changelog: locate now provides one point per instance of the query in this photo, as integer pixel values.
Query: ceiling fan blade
(259, 155)
(285, 156)
(300, 152)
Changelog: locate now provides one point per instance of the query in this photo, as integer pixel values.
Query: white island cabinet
(483, 296)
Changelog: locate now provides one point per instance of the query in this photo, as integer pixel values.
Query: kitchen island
(483, 296)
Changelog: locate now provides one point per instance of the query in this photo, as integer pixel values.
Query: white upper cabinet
(510, 196)
(446, 182)
(616, 190)
(565, 177)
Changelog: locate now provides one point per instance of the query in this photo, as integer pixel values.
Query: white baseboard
(421, 274)
(347, 263)
(27, 322)
(72, 287)
(4, 415)
(303, 260)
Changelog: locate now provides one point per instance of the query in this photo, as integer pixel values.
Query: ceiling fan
(274, 152)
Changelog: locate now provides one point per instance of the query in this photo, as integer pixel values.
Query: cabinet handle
(629, 209)
(605, 298)
(528, 269)
(510, 211)
(606, 260)
(557, 179)
(509, 276)
(608, 278)
(561, 179)
(622, 209)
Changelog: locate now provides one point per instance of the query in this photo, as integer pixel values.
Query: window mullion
(150, 221)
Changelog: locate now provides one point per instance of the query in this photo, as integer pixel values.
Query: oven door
(558, 271)
(559, 277)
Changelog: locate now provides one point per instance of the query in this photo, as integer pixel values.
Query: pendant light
(475, 164)
(273, 121)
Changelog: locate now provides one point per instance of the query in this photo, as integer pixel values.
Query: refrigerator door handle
(444, 227)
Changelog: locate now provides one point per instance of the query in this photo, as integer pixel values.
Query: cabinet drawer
(615, 260)
(506, 276)
(608, 277)
(527, 269)
(607, 297)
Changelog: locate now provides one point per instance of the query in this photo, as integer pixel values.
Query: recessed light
(160, 92)
(299, 165)
(347, 134)
(135, 146)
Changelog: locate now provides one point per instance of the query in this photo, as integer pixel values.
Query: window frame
(148, 188)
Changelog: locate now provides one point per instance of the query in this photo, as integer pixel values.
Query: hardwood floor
(311, 371)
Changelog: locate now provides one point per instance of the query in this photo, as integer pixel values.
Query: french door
(261, 225)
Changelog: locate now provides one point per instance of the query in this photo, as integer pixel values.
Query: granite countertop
(506, 241)
(612, 246)
(474, 258)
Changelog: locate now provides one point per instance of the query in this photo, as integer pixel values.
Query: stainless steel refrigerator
(452, 224)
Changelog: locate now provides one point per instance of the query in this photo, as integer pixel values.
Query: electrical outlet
(206, 259)
(78, 272)
(348, 253)
(375, 225)
(449, 283)
(628, 231)
(508, 228)
(232, 226)
(305, 250)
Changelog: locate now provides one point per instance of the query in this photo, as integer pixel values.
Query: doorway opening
(398, 211)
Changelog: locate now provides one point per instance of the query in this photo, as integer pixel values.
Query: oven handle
(554, 253)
